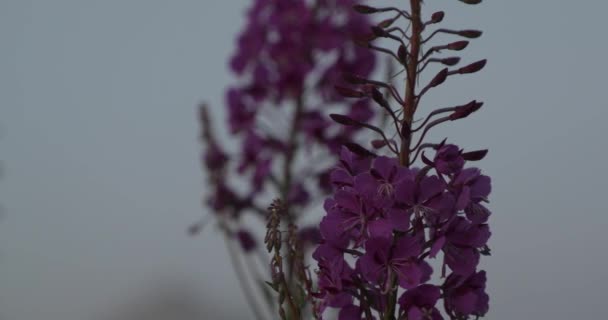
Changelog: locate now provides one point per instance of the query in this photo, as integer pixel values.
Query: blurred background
(100, 158)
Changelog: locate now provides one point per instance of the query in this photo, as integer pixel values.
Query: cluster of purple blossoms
(289, 57)
(388, 220)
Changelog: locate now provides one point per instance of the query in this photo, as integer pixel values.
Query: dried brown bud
(437, 17)
(349, 93)
(458, 45)
(363, 9)
(473, 67)
(439, 78)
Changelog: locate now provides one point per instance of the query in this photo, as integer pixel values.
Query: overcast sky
(100, 158)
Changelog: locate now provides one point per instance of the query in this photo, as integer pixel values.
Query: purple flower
(418, 195)
(246, 240)
(466, 296)
(334, 277)
(448, 159)
(240, 114)
(350, 312)
(471, 186)
(382, 261)
(379, 183)
(419, 303)
(215, 158)
(462, 241)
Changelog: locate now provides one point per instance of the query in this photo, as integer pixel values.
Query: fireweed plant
(288, 59)
(386, 218)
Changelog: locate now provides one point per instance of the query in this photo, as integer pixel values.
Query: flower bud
(471, 34)
(473, 67)
(451, 61)
(439, 78)
(471, 1)
(343, 120)
(379, 32)
(437, 17)
(458, 45)
(465, 110)
(358, 150)
(475, 155)
(387, 23)
(379, 98)
(353, 78)
(363, 9)
(379, 143)
(349, 93)
(402, 54)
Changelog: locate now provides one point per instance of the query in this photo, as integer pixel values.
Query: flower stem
(409, 106)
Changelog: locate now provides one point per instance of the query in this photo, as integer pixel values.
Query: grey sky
(100, 158)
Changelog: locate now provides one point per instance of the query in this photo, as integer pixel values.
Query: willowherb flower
(288, 59)
(389, 215)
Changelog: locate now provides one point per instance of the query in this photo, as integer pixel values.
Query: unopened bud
(379, 98)
(451, 61)
(349, 93)
(465, 110)
(353, 78)
(473, 67)
(402, 54)
(379, 32)
(439, 78)
(359, 150)
(343, 120)
(471, 34)
(458, 45)
(475, 155)
(363, 9)
(471, 1)
(437, 17)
